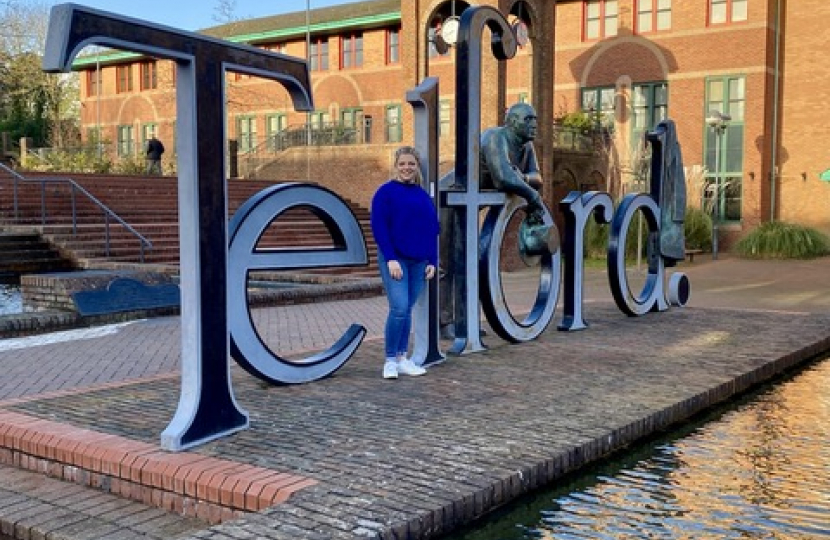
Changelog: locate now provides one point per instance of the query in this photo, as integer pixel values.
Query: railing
(568, 138)
(74, 188)
(330, 134)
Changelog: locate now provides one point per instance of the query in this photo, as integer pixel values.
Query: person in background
(405, 226)
(154, 151)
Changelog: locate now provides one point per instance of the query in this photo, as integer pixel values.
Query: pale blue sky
(197, 14)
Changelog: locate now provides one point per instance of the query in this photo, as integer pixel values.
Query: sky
(198, 14)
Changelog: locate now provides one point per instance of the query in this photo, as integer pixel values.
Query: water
(760, 470)
(11, 300)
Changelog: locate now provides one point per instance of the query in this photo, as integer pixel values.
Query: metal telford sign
(216, 258)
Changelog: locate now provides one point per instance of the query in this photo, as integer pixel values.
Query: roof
(332, 19)
(319, 19)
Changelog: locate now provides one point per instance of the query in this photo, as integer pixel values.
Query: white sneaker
(407, 367)
(390, 370)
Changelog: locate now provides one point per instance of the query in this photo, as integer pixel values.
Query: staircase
(26, 253)
(150, 207)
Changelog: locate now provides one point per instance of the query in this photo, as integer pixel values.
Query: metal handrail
(75, 187)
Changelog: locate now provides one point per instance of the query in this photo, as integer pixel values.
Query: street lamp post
(718, 122)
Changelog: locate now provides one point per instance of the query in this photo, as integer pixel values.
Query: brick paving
(370, 458)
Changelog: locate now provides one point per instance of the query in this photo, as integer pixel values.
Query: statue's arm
(497, 157)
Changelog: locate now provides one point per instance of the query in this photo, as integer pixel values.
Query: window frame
(604, 112)
(146, 130)
(351, 51)
(318, 54)
(654, 111)
(123, 78)
(603, 18)
(730, 10)
(93, 82)
(148, 75)
(654, 16)
(275, 123)
(125, 143)
(393, 45)
(392, 131)
(248, 135)
(732, 102)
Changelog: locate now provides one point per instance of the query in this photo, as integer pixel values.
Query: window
(124, 79)
(600, 19)
(351, 51)
(147, 131)
(319, 55)
(351, 118)
(149, 75)
(444, 118)
(726, 11)
(649, 103)
(393, 45)
(275, 124)
(724, 154)
(125, 141)
(246, 133)
(653, 15)
(93, 82)
(319, 120)
(275, 47)
(394, 131)
(599, 102)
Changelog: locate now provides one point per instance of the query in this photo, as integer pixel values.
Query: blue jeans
(402, 295)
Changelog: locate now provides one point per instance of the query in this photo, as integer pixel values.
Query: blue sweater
(405, 222)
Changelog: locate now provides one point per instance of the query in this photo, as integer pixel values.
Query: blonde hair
(408, 151)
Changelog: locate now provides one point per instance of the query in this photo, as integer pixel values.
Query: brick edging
(186, 483)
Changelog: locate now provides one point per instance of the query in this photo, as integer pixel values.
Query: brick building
(627, 63)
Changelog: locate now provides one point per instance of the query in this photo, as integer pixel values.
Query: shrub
(132, 165)
(86, 160)
(698, 229)
(779, 240)
(596, 239)
(579, 121)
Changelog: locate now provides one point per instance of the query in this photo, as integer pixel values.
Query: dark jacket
(154, 149)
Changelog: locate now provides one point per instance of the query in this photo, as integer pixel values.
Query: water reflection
(10, 299)
(760, 470)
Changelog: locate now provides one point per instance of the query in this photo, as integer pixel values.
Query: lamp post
(718, 122)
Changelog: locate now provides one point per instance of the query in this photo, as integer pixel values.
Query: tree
(225, 12)
(33, 103)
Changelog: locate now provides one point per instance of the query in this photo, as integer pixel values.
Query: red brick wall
(684, 56)
(805, 118)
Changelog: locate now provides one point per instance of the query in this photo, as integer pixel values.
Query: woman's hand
(394, 269)
(429, 272)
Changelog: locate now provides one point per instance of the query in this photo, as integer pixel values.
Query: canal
(759, 468)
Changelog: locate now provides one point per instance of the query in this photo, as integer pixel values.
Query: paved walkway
(362, 457)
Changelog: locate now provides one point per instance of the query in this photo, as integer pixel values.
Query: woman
(405, 226)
